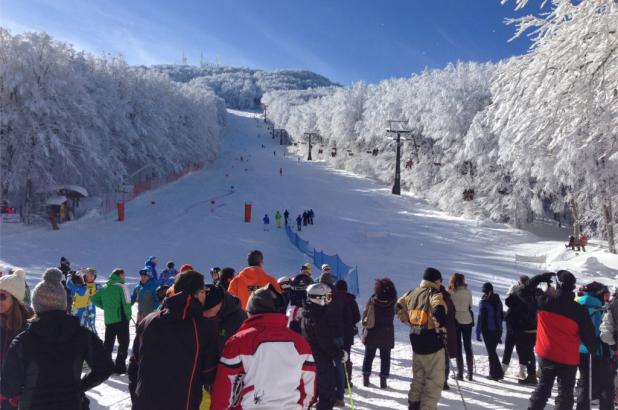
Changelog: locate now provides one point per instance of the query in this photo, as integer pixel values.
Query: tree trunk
(576, 227)
(609, 221)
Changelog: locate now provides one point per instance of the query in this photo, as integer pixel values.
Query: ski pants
(326, 380)
(602, 382)
(524, 342)
(427, 379)
(566, 382)
(464, 337)
(120, 331)
(491, 343)
(509, 345)
(385, 360)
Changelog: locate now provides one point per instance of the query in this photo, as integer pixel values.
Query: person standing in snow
(151, 263)
(609, 336)
(317, 329)
(298, 222)
(462, 300)
(489, 326)
(562, 324)
(424, 310)
(168, 275)
(266, 221)
(145, 294)
(451, 334)
(286, 215)
(351, 318)
(278, 219)
(599, 360)
(83, 287)
(215, 274)
(298, 295)
(265, 365)
(251, 278)
(65, 268)
(225, 309)
(43, 365)
(115, 300)
(175, 351)
(227, 274)
(305, 218)
(310, 216)
(378, 329)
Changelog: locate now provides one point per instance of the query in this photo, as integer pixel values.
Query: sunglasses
(3, 296)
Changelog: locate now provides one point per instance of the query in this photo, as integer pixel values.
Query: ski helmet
(285, 282)
(319, 293)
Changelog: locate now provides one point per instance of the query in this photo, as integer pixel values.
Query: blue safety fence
(338, 268)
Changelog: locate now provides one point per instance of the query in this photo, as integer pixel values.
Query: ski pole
(347, 381)
(453, 371)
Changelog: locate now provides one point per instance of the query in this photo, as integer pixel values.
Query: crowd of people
(304, 219)
(250, 341)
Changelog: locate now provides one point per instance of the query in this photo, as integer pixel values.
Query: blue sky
(345, 40)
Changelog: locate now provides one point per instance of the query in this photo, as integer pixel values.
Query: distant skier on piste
(286, 215)
(278, 219)
(298, 222)
(266, 221)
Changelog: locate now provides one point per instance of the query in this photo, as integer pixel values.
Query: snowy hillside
(356, 217)
(534, 137)
(241, 87)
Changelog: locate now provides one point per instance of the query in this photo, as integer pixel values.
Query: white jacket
(462, 299)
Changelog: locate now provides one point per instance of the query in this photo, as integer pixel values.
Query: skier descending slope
(562, 325)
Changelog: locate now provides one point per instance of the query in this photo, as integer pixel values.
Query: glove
(344, 356)
(547, 277)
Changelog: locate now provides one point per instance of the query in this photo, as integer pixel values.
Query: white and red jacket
(265, 365)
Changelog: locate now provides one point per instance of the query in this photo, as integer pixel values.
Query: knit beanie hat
(565, 280)
(214, 296)
(186, 267)
(432, 274)
(50, 293)
(265, 300)
(14, 284)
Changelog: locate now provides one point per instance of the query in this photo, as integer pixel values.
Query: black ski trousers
(602, 382)
(120, 331)
(566, 382)
(326, 380)
(491, 343)
(524, 342)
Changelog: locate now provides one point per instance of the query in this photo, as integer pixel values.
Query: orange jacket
(248, 280)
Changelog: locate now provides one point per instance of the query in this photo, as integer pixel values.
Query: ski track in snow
(356, 217)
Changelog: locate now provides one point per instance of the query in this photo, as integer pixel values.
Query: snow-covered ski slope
(356, 217)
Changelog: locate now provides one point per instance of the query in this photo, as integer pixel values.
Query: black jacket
(382, 335)
(318, 331)
(351, 316)
(520, 316)
(450, 324)
(44, 364)
(230, 317)
(175, 353)
(298, 296)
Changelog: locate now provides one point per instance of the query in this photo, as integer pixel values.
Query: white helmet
(319, 293)
(326, 267)
(285, 282)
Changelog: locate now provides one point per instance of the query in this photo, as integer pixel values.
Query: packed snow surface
(356, 217)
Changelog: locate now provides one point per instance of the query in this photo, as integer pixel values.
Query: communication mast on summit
(402, 133)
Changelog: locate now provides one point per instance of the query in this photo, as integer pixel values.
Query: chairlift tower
(398, 127)
(308, 135)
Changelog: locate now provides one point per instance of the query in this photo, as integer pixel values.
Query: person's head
(432, 275)
(384, 289)
(565, 281)
(192, 283)
(162, 292)
(266, 300)
(50, 294)
(215, 273)
(145, 275)
(319, 294)
(64, 261)
(599, 291)
(170, 265)
(213, 300)
(487, 288)
(13, 312)
(14, 284)
(90, 275)
(325, 268)
(255, 258)
(227, 274)
(523, 279)
(285, 283)
(186, 267)
(341, 285)
(457, 280)
(119, 273)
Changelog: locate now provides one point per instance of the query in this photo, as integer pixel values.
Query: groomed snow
(356, 217)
